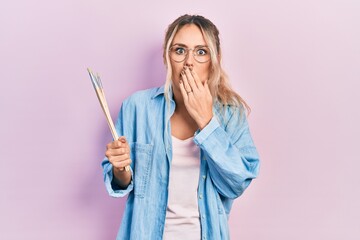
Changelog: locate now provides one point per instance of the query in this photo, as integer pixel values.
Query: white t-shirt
(182, 214)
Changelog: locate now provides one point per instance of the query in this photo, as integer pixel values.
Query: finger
(120, 151)
(110, 145)
(183, 91)
(207, 90)
(122, 139)
(114, 144)
(122, 164)
(116, 159)
(124, 142)
(196, 79)
(120, 142)
(206, 86)
(191, 80)
(185, 82)
(116, 151)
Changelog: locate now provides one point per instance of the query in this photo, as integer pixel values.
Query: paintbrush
(97, 84)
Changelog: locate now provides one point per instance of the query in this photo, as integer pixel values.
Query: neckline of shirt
(182, 140)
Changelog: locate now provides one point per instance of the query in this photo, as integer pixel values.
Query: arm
(229, 150)
(117, 181)
(230, 153)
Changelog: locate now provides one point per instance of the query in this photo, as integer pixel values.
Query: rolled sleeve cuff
(201, 136)
(108, 177)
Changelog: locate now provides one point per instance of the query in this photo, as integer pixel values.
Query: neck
(179, 100)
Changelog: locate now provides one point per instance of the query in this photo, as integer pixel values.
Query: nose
(189, 60)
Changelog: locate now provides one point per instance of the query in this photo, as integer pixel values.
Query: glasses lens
(179, 53)
(202, 54)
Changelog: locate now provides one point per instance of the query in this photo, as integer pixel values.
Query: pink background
(297, 64)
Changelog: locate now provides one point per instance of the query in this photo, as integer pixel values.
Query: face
(190, 37)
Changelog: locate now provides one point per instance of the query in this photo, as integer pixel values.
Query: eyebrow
(184, 45)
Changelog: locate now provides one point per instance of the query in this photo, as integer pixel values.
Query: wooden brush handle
(102, 100)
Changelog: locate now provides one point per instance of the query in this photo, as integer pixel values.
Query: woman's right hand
(118, 153)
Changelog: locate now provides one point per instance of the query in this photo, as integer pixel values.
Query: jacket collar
(161, 91)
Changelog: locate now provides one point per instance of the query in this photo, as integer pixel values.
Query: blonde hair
(220, 88)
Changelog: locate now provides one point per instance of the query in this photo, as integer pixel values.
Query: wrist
(202, 124)
(120, 176)
(118, 171)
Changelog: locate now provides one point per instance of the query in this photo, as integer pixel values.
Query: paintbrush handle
(104, 106)
(108, 116)
(102, 100)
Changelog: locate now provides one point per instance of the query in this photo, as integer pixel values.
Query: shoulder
(142, 96)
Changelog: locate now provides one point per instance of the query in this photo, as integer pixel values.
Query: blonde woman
(188, 144)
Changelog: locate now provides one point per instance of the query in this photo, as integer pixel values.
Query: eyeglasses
(179, 53)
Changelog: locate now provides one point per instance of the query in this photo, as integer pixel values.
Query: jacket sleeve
(230, 153)
(113, 189)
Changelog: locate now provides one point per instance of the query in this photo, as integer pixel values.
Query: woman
(187, 143)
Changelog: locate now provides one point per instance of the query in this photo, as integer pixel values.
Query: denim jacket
(228, 163)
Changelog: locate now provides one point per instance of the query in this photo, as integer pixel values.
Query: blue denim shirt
(228, 163)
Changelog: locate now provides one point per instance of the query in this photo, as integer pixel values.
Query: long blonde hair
(218, 81)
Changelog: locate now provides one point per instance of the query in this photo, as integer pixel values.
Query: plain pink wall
(297, 63)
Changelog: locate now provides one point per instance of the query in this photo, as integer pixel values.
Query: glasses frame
(187, 53)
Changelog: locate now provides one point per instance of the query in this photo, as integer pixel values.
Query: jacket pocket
(141, 155)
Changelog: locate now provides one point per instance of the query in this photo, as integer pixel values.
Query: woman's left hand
(197, 97)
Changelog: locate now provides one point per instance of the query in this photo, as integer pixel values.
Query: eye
(201, 52)
(180, 51)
